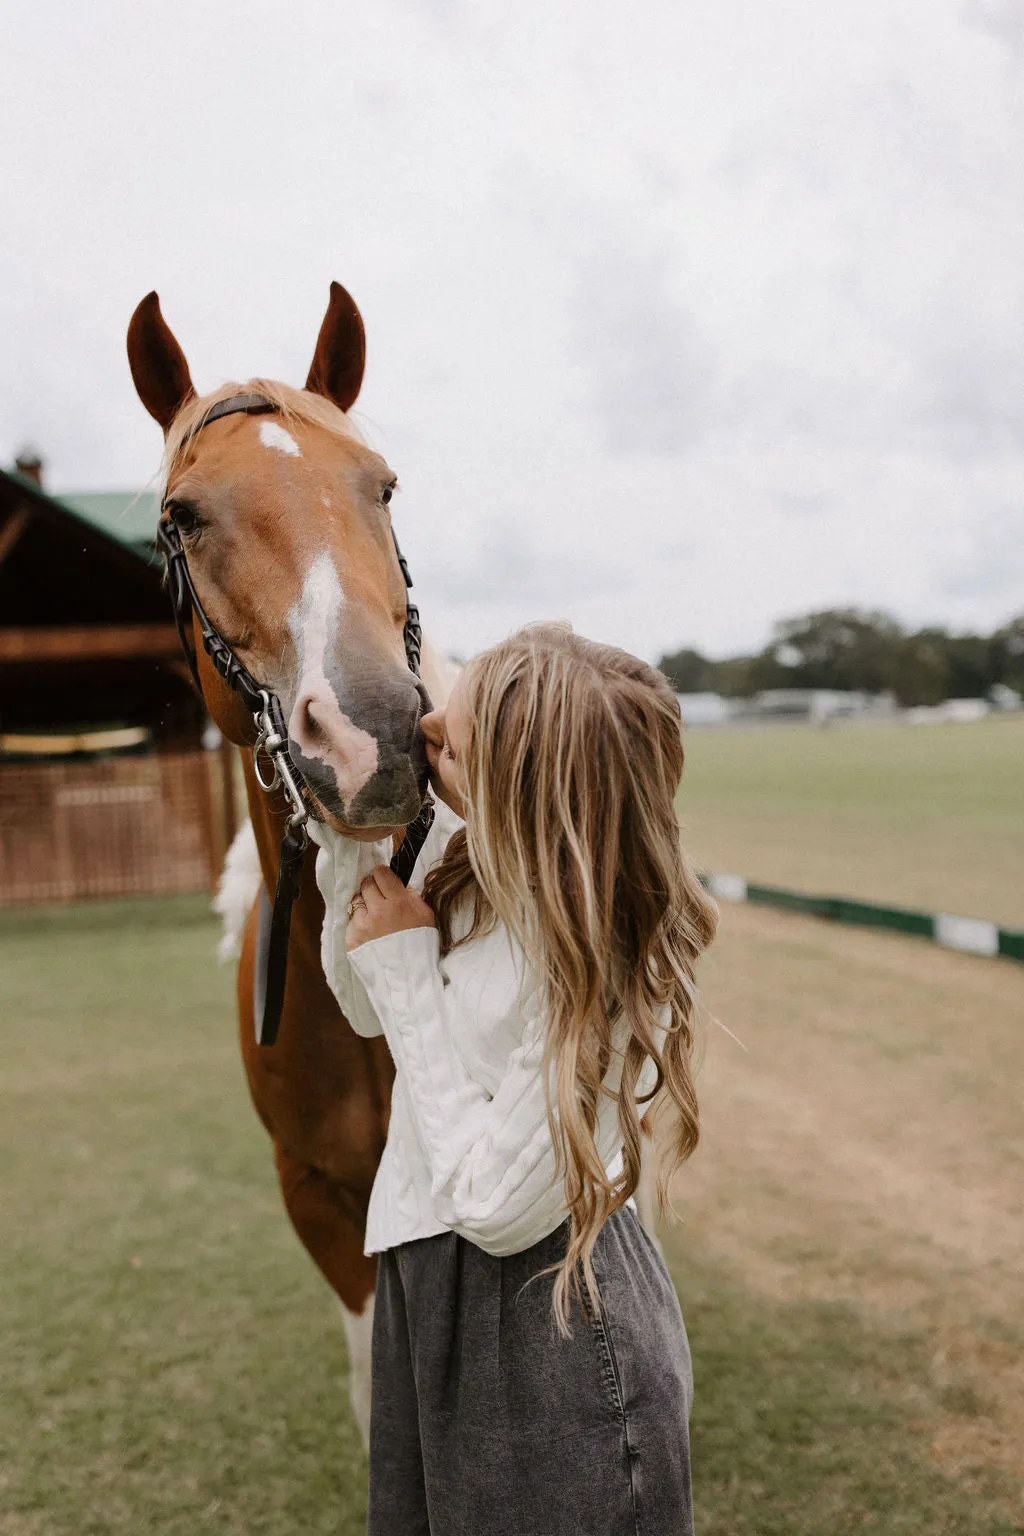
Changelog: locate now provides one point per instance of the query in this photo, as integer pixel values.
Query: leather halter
(272, 737)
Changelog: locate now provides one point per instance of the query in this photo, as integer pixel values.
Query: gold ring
(357, 901)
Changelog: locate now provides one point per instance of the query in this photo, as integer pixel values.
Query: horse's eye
(387, 493)
(184, 516)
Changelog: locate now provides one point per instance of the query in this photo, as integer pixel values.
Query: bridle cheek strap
(272, 764)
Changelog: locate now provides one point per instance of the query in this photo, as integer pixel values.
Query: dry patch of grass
(866, 1154)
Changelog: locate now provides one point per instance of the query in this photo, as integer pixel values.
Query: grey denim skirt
(486, 1422)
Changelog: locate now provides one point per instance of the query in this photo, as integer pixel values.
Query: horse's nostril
(322, 732)
(307, 729)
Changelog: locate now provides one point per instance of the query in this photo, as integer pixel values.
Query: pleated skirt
(486, 1422)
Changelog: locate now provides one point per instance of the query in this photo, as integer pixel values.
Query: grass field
(849, 1262)
(171, 1360)
(852, 1258)
(852, 1252)
(929, 817)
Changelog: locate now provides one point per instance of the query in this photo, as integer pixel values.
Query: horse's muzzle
(386, 784)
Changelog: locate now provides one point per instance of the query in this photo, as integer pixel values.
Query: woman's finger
(359, 930)
(372, 897)
(387, 882)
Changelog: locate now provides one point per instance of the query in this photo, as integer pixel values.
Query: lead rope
(271, 745)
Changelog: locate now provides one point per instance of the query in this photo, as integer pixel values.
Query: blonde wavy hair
(572, 764)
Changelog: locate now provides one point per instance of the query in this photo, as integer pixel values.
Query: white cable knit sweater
(468, 1147)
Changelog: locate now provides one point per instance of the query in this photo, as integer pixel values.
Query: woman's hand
(384, 905)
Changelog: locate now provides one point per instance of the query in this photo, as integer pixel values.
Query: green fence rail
(972, 935)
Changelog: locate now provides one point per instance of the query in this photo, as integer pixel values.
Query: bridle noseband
(271, 745)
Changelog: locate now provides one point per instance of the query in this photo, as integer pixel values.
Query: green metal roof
(130, 516)
(110, 519)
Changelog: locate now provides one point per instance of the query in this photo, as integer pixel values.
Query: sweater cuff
(396, 966)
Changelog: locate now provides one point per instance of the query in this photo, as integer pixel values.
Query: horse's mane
(293, 405)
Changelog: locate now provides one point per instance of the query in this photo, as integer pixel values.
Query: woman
(535, 999)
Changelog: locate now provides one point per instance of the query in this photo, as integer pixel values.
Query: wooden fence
(118, 826)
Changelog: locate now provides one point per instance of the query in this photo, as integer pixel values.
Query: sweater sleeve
(491, 1159)
(341, 863)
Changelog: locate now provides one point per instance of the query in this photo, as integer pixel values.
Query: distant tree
(1008, 654)
(766, 671)
(690, 672)
(920, 669)
(932, 665)
(845, 648)
(971, 665)
(687, 671)
(863, 650)
(731, 677)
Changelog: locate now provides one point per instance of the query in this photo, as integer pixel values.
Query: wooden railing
(117, 826)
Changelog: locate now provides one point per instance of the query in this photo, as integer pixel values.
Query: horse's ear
(157, 362)
(340, 356)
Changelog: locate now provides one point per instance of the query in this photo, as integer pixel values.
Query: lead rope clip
(271, 746)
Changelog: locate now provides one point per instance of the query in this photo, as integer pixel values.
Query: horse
(283, 514)
(282, 510)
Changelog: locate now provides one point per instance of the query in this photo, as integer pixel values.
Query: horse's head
(285, 522)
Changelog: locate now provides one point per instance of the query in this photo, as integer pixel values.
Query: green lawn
(172, 1363)
(852, 1247)
(928, 816)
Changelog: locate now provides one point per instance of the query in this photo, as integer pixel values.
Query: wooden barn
(112, 780)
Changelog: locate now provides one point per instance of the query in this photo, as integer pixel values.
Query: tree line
(865, 650)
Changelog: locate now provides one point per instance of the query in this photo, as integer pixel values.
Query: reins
(271, 745)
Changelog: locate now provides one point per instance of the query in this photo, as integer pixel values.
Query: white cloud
(1001, 19)
(677, 322)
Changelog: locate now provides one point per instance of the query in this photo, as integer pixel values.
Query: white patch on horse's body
(273, 435)
(317, 723)
(359, 1334)
(237, 889)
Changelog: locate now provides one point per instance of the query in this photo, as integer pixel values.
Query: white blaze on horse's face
(317, 724)
(273, 435)
(286, 527)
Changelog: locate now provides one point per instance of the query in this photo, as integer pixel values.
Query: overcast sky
(681, 317)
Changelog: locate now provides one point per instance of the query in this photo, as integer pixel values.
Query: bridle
(272, 764)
